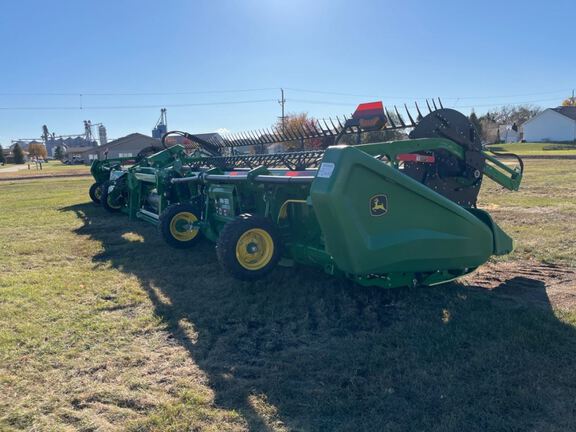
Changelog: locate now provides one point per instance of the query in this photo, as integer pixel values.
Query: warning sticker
(326, 169)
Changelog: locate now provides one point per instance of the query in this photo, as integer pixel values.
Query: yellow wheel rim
(180, 226)
(254, 249)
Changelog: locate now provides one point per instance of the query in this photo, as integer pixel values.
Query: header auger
(384, 214)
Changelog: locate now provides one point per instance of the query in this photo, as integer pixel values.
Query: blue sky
(219, 64)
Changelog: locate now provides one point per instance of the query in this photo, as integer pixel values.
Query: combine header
(382, 214)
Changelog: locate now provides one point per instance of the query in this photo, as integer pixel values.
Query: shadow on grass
(329, 355)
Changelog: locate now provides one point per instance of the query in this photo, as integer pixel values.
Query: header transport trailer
(383, 214)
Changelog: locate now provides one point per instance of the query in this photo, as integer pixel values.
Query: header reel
(367, 117)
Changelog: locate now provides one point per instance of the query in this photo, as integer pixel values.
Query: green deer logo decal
(378, 205)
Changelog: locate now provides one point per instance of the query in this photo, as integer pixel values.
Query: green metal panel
(412, 227)
(503, 244)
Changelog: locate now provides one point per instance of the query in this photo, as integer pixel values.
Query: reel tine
(252, 140)
(256, 137)
(428, 105)
(292, 134)
(318, 133)
(272, 136)
(333, 125)
(409, 116)
(269, 136)
(400, 119)
(389, 119)
(284, 132)
(279, 135)
(289, 133)
(440, 102)
(434, 104)
(328, 131)
(309, 130)
(420, 116)
(339, 123)
(249, 138)
(215, 142)
(241, 139)
(302, 132)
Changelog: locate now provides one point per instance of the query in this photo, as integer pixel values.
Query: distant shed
(553, 124)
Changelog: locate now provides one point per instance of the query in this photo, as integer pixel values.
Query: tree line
(488, 125)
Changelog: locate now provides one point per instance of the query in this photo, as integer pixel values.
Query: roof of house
(127, 139)
(568, 111)
(78, 149)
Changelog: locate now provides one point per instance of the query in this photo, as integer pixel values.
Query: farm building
(553, 124)
(127, 146)
(509, 133)
(76, 153)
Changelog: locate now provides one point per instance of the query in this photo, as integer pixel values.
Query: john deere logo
(378, 205)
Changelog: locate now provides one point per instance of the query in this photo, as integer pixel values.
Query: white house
(509, 133)
(552, 124)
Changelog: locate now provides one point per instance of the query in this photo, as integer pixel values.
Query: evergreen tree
(18, 154)
(476, 122)
(2, 158)
(58, 153)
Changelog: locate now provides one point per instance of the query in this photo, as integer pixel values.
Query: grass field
(551, 149)
(104, 328)
(48, 169)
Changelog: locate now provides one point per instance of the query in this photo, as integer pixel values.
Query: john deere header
(386, 214)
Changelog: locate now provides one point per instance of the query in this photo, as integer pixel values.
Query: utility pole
(282, 102)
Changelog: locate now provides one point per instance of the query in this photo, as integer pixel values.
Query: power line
(322, 102)
(111, 107)
(251, 90)
(142, 93)
(299, 90)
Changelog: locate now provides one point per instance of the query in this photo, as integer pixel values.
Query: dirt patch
(528, 281)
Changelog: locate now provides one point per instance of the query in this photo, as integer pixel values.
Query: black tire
(258, 263)
(171, 218)
(106, 201)
(95, 192)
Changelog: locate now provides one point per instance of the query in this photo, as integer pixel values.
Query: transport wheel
(248, 247)
(95, 192)
(108, 202)
(176, 225)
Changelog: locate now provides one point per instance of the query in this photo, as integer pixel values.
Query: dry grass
(104, 328)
